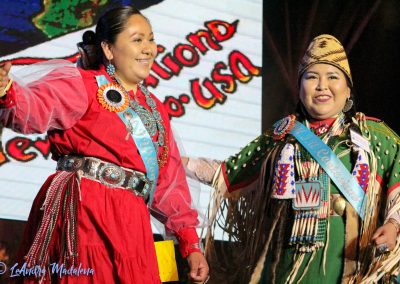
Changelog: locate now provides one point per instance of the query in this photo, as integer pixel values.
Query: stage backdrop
(207, 73)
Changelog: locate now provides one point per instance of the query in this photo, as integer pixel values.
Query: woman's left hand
(385, 235)
(198, 267)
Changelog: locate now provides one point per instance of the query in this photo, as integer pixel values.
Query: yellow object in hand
(166, 261)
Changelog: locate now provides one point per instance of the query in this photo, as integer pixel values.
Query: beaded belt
(106, 173)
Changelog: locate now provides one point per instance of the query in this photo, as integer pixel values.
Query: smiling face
(323, 91)
(133, 52)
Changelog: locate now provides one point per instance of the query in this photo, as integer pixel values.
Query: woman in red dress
(117, 160)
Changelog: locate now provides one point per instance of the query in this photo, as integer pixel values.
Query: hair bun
(88, 51)
(89, 37)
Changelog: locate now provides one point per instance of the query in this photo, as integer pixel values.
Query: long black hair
(108, 27)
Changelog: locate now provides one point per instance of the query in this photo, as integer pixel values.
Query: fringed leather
(242, 220)
(385, 265)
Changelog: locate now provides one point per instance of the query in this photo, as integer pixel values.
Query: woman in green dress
(314, 199)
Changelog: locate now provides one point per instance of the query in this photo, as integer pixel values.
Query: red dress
(114, 233)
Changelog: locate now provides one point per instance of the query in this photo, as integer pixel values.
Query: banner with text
(207, 73)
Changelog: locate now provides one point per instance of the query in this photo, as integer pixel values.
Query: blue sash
(143, 142)
(345, 182)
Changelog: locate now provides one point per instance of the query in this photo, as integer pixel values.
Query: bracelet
(6, 88)
(394, 223)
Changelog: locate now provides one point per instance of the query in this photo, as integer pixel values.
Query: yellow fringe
(371, 201)
(307, 266)
(295, 270)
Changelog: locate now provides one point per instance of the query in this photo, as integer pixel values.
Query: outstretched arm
(42, 96)
(201, 169)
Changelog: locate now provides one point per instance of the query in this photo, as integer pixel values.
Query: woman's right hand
(4, 69)
(198, 268)
(201, 169)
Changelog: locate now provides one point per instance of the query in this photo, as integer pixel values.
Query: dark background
(18, 32)
(370, 33)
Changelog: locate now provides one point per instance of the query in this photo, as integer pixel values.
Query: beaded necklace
(152, 120)
(310, 220)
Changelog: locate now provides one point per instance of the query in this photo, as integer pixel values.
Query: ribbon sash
(328, 160)
(142, 139)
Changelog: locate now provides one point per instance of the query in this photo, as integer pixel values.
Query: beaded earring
(110, 68)
(348, 105)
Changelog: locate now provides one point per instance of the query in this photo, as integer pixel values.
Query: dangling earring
(110, 69)
(348, 105)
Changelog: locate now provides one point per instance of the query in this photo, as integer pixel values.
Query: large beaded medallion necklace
(311, 205)
(116, 98)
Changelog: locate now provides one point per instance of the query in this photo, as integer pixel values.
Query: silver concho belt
(106, 173)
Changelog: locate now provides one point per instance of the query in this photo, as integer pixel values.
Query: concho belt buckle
(308, 195)
(111, 175)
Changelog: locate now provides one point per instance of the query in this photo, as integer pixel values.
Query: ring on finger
(383, 248)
